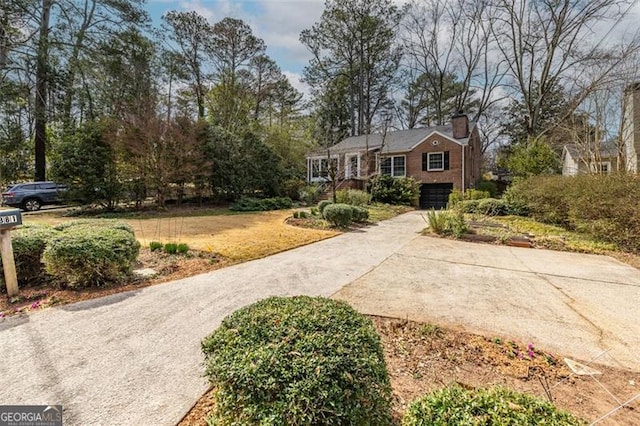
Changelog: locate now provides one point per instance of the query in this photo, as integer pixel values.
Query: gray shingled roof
(577, 151)
(395, 141)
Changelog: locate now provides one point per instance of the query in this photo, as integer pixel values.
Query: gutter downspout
(462, 169)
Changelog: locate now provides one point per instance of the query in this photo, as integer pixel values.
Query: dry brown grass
(236, 237)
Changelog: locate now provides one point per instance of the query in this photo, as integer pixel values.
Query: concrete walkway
(134, 358)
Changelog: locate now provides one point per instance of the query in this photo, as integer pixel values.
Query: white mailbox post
(8, 220)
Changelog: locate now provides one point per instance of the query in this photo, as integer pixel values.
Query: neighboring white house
(578, 160)
(631, 127)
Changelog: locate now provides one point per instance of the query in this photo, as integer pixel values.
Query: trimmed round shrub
(359, 214)
(29, 242)
(339, 215)
(297, 361)
(92, 223)
(323, 205)
(494, 406)
(84, 256)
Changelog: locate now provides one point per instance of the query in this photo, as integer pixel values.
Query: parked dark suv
(31, 196)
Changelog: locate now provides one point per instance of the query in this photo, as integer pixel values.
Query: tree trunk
(41, 93)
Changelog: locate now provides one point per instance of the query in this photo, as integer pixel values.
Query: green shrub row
(74, 254)
(353, 197)
(605, 206)
(170, 248)
(316, 361)
(300, 215)
(248, 204)
(390, 190)
(297, 361)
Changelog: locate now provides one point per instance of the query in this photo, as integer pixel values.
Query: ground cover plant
(297, 360)
(455, 405)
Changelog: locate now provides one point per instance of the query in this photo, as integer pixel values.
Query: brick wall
(454, 174)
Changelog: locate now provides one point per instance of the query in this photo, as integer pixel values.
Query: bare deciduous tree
(451, 55)
(548, 44)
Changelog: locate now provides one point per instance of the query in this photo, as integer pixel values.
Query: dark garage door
(435, 195)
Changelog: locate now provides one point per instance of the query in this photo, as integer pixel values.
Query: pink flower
(1, 314)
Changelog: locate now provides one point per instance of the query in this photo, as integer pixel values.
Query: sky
(278, 22)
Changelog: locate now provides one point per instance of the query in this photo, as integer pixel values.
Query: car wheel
(32, 204)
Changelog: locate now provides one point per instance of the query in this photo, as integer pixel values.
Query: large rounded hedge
(297, 361)
(29, 242)
(90, 256)
(484, 407)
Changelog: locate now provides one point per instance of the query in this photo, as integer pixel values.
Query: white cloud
(278, 22)
(296, 81)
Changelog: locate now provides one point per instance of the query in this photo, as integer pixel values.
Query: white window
(435, 161)
(603, 167)
(393, 166)
(352, 165)
(321, 169)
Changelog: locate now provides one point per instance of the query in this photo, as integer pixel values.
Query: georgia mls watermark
(30, 415)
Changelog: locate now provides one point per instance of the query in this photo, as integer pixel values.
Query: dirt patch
(425, 357)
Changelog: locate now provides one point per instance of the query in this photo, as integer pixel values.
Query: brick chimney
(460, 126)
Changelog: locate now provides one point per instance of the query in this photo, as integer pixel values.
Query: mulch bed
(424, 357)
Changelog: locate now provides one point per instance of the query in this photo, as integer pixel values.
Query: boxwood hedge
(455, 405)
(297, 361)
(87, 256)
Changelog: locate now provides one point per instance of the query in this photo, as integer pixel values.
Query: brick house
(441, 158)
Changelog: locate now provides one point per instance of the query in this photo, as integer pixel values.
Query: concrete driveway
(134, 358)
(578, 305)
